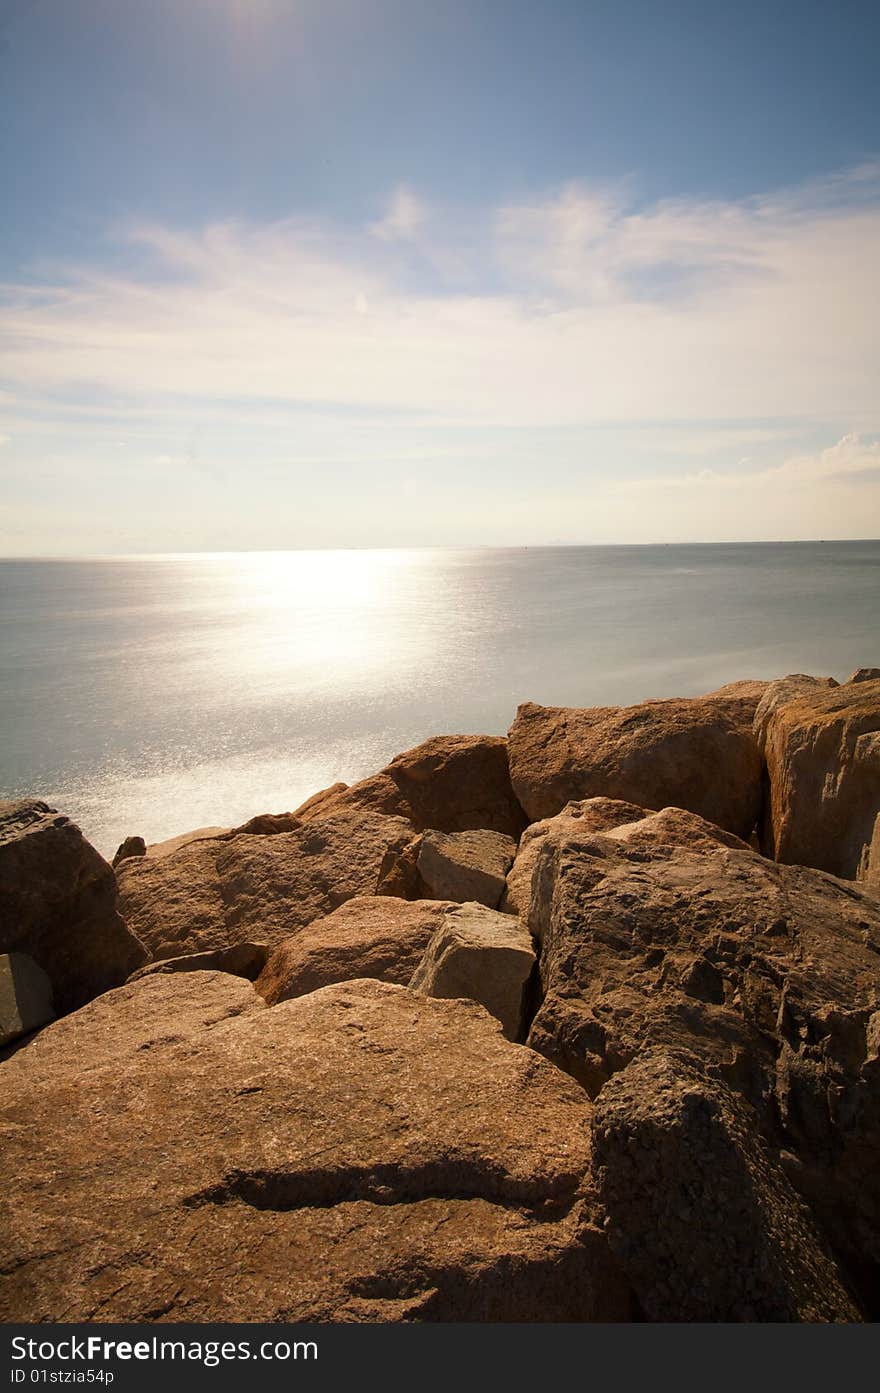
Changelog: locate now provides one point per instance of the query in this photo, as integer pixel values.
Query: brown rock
(465, 865)
(58, 905)
(864, 674)
(823, 763)
(359, 1154)
(768, 974)
(484, 956)
(369, 936)
(213, 894)
(696, 753)
(132, 846)
(267, 824)
(453, 783)
(870, 870)
(745, 694)
(241, 960)
(156, 850)
(25, 997)
(705, 1224)
(588, 815)
(782, 691)
(319, 802)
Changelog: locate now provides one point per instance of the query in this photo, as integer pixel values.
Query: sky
(328, 273)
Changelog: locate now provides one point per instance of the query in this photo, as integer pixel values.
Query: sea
(154, 694)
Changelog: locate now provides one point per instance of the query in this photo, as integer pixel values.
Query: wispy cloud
(405, 215)
(518, 339)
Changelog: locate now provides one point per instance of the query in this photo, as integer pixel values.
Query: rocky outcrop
(864, 674)
(769, 975)
(369, 936)
(782, 691)
(241, 960)
(453, 783)
(588, 815)
(214, 893)
(822, 750)
(697, 754)
(705, 1224)
(25, 997)
(465, 865)
(484, 956)
(58, 905)
(361, 1153)
(132, 846)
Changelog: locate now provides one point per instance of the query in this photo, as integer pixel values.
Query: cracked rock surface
(361, 1153)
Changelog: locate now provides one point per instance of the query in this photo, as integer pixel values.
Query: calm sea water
(155, 694)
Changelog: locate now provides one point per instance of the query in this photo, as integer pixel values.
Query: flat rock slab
(705, 1224)
(25, 997)
(58, 905)
(483, 955)
(370, 936)
(465, 866)
(362, 1153)
(212, 894)
(695, 753)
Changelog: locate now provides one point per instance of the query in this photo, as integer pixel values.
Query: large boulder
(589, 815)
(370, 936)
(465, 866)
(822, 751)
(780, 692)
(696, 753)
(359, 1154)
(58, 905)
(659, 934)
(242, 960)
(453, 783)
(217, 892)
(705, 1223)
(485, 956)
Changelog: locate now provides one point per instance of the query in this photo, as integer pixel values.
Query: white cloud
(405, 215)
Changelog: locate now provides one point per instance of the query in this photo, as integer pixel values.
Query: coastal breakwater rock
(483, 956)
(361, 1153)
(822, 752)
(58, 905)
(668, 932)
(695, 753)
(213, 893)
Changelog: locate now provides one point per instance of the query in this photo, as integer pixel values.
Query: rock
(156, 850)
(241, 960)
(695, 753)
(267, 824)
(822, 751)
(132, 846)
(869, 871)
(587, 815)
(58, 905)
(369, 936)
(768, 974)
(362, 1153)
(25, 997)
(465, 865)
(864, 674)
(745, 695)
(484, 956)
(783, 690)
(705, 1224)
(319, 802)
(216, 893)
(142, 1020)
(453, 783)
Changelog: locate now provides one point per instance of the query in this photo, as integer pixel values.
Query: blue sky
(282, 273)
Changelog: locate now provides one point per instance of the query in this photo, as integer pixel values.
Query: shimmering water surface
(154, 694)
